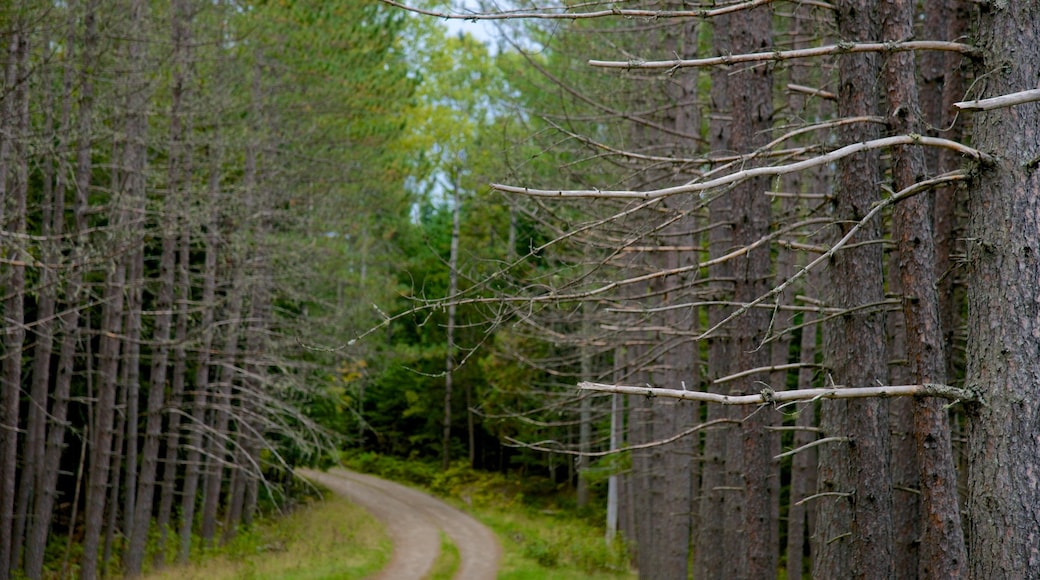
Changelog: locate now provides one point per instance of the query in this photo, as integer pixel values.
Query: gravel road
(414, 519)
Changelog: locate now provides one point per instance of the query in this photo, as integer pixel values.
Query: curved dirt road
(413, 520)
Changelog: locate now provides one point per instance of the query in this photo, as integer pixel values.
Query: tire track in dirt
(414, 519)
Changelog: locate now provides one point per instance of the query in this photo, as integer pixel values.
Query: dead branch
(810, 446)
(769, 369)
(1002, 101)
(781, 55)
(700, 427)
(770, 396)
(908, 192)
(739, 176)
(546, 14)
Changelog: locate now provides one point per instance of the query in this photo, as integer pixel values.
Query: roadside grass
(447, 562)
(538, 546)
(543, 536)
(328, 539)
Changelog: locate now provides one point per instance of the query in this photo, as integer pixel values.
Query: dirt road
(414, 519)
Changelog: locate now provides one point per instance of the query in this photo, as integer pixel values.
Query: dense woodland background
(238, 237)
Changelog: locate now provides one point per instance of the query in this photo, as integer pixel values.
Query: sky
(482, 30)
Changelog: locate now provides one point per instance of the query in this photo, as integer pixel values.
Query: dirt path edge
(413, 520)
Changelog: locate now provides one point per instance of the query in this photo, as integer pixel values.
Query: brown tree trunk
(1004, 304)
(222, 409)
(179, 238)
(854, 532)
(14, 220)
(54, 188)
(449, 357)
(131, 361)
(942, 547)
(40, 528)
(906, 486)
(750, 94)
(803, 482)
(716, 545)
(200, 400)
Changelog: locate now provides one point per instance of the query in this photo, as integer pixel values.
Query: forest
(753, 282)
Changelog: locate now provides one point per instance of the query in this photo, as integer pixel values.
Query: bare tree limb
(740, 176)
(780, 55)
(770, 396)
(910, 191)
(768, 369)
(810, 446)
(1002, 101)
(547, 14)
(541, 446)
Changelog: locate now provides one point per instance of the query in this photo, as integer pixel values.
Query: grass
(540, 546)
(447, 562)
(326, 539)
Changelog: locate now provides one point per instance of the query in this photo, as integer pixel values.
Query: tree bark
(200, 401)
(1004, 305)
(40, 528)
(453, 287)
(14, 220)
(750, 94)
(854, 532)
(716, 545)
(942, 546)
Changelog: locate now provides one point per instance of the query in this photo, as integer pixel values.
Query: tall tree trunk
(178, 260)
(16, 122)
(453, 288)
(222, 408)
(132, 382)
(854, 534)
(169, 232)
(54, 187)
(585, 406)
(48, 490)
(35, 448)
(1004, 304)
(942, 548)
(126, 201)
(716, 545)
(750, 94)
(200, 400)
(799, 515)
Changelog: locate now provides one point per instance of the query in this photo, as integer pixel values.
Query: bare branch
(771, 396)
(826, 494)
(908, 192)
(812, 91)
(780, 55)
(769, 369)
(810, 446)
(1009, 100)
(547, 14)
(700, 427)
(740, 176)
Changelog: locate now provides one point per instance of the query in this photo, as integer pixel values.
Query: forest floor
(414, 521)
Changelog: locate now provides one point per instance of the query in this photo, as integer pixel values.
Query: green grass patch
(447, 562)
(325, 539)
(556, 546)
